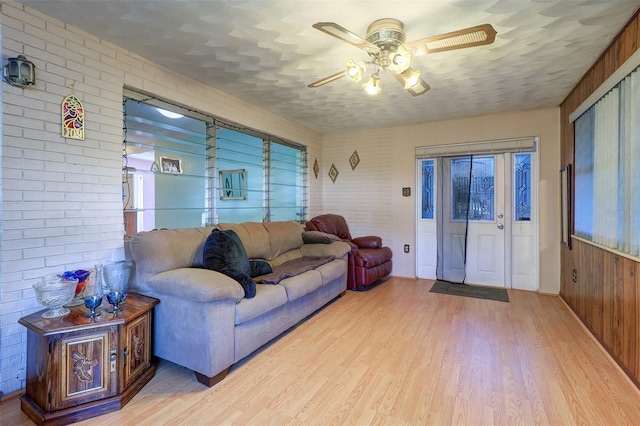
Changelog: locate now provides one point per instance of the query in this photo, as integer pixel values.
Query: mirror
(233, 184)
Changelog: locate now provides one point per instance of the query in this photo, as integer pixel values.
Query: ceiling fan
(387, 49)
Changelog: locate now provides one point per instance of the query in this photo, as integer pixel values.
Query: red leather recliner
(368, 260)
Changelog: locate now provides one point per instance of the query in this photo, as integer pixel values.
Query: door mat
(479, 292)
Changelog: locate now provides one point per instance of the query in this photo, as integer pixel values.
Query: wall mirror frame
(233, 184)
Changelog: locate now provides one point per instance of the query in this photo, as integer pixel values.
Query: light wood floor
(397, 355)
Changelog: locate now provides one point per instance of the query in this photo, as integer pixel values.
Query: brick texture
(62, 198)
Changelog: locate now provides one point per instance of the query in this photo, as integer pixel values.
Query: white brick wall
(61, 198)
(363, 196)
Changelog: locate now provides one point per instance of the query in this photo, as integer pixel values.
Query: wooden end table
(79, 367)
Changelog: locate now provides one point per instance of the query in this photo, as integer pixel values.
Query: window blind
(527, 144)
(607, 169)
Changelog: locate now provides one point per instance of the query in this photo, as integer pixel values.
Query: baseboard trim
(13, 394)
(602, 348)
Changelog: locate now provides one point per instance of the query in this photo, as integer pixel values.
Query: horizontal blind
(240, 151)
(274, 169)
(151, 142)
(287, 182)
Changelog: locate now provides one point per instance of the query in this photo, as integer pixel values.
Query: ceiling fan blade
(344, 34)
(328, 79)
(461, 39)
(419, 89)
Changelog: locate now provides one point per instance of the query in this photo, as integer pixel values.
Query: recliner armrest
(370, 241)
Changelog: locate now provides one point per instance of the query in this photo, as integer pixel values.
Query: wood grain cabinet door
(137, 350)
(88, 369)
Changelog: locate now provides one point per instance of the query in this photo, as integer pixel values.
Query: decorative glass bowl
(53, 293)
(83, 279)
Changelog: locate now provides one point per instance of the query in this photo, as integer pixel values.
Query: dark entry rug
(479, 292)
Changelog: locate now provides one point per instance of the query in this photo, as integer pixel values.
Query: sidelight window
(522, 187)
(428, 193)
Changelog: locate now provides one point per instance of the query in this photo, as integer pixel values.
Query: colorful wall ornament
(72, 118)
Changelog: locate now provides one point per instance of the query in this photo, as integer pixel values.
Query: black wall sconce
(20, 72)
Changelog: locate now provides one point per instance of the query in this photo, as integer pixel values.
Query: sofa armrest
(196, 284)
(337, 249)
(368, 242)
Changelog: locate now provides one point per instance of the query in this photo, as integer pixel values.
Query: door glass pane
(472, 188)
(427, 189)
(522, 187)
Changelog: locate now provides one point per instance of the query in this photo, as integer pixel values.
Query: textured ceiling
(266, 52)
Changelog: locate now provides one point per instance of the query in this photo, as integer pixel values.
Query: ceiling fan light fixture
(400, 60)
(355, 71)
(388, 50)
(410, 77)
(372, 86)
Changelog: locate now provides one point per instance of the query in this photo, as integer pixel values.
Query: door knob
(500, 215)
(500, 226)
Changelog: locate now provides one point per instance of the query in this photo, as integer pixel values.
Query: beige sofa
(203, 321)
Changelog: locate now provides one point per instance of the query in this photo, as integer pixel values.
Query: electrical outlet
(406, 248)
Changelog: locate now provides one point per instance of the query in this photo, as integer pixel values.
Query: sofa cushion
(301, 285)
(268, 298)
(283, 237)
(254, 237)
(195, 284)
(159, 251)
(318, 237)
(337, 249)
(290, 255)
(224, 252)
(267, 240)
(332, 270)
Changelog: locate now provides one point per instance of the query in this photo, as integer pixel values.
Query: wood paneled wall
(606, 292)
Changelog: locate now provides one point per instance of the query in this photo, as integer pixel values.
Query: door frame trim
(535, 206)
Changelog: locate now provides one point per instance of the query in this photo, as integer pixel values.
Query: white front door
(486, 233)
(472, 222)
(500, 240)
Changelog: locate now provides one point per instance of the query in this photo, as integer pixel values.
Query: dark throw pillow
(223, 252)
(259, 267)
(318, 237)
